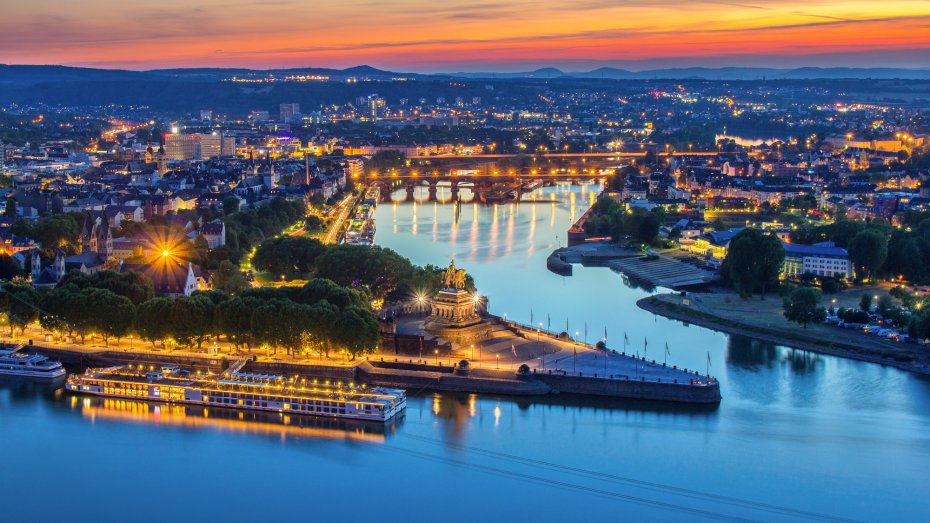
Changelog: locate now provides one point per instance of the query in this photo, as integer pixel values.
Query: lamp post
(575, 355)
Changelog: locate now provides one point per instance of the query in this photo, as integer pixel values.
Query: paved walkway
(507, 349)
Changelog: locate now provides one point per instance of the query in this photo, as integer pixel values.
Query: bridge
(486, 184)
(592, 155)
(494, 177)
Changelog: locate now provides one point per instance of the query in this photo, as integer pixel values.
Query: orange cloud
(421, 34)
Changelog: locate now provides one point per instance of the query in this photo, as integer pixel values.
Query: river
(797, 435)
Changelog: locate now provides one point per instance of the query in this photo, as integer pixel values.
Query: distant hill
(32, 74)
(721, 73)
(35, 74)
(19, 75)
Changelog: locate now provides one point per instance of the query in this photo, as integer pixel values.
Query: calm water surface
(798, 436)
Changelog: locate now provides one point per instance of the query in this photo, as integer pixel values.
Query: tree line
(382, 273)
(320, 316)
(609, 218)
(876, 248)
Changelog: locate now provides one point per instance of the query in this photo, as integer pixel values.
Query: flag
(605, 333)
(667, 353)
(531, 318)
(513, 348)
(625, 339)
(708, 359)
(548, 323)
(586, 330)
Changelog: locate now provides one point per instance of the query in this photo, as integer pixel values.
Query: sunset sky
(459, 35)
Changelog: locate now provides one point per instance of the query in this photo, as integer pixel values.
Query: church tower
(36, 264)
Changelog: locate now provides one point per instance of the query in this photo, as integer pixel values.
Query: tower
(306, 178)
(162, 161)
(58, 267)
(36, 264)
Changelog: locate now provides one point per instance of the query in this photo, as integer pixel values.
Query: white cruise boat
(16, 363)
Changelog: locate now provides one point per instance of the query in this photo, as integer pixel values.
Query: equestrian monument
(454, 311)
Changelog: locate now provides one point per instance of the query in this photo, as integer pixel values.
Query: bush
(852, 315)
(803, 306)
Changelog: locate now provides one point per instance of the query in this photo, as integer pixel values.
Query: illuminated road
(344, 208)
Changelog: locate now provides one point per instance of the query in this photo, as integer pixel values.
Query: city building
(820, 259)
(289, 112)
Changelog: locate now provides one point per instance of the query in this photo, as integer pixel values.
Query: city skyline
(417, 36)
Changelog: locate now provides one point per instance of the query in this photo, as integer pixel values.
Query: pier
(662, 271)
(553, 366)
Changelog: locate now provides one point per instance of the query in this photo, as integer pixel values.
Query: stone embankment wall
(415, 378)
(620, 388)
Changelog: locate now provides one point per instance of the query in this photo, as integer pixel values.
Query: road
(344, 208)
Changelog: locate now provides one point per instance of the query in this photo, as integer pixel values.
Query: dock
(547, 372)
(662, 271)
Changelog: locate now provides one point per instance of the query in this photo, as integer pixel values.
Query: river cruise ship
(13, 362)
(240, 390)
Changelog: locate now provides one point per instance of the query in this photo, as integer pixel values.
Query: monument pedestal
(453, 318)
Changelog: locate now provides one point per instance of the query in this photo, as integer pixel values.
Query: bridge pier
(432, 192)
(409, 186)
(385, 192)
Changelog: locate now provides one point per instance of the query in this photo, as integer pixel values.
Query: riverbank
(822, 339)
(421, 375)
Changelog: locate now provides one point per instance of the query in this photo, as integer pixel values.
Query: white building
(821, 259)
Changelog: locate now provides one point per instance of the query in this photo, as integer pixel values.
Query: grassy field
(727, 312)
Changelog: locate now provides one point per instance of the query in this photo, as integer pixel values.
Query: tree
(10, 210)
(868, 250)
(58, 231)
(227, 277)
(357, 331)
(803, 306)
(320, 289)
(754, 261)
(919, 326)
(378, 269)
(287, 255)
(313, 223)
(264, 328)
(865, 303)
(133, 285)
(191, 319)
(234, 319)
(115, 314)
(320, 328)
(20, 302)
(230, 204)
(9, 268)
(151, 320)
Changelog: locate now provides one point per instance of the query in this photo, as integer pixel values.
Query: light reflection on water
(794, 429)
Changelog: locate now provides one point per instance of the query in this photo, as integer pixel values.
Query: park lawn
(767, 313)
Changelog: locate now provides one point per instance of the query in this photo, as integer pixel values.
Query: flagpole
(605, 352)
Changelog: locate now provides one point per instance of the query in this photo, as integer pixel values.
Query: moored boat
(239, 390)
(14, 362)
